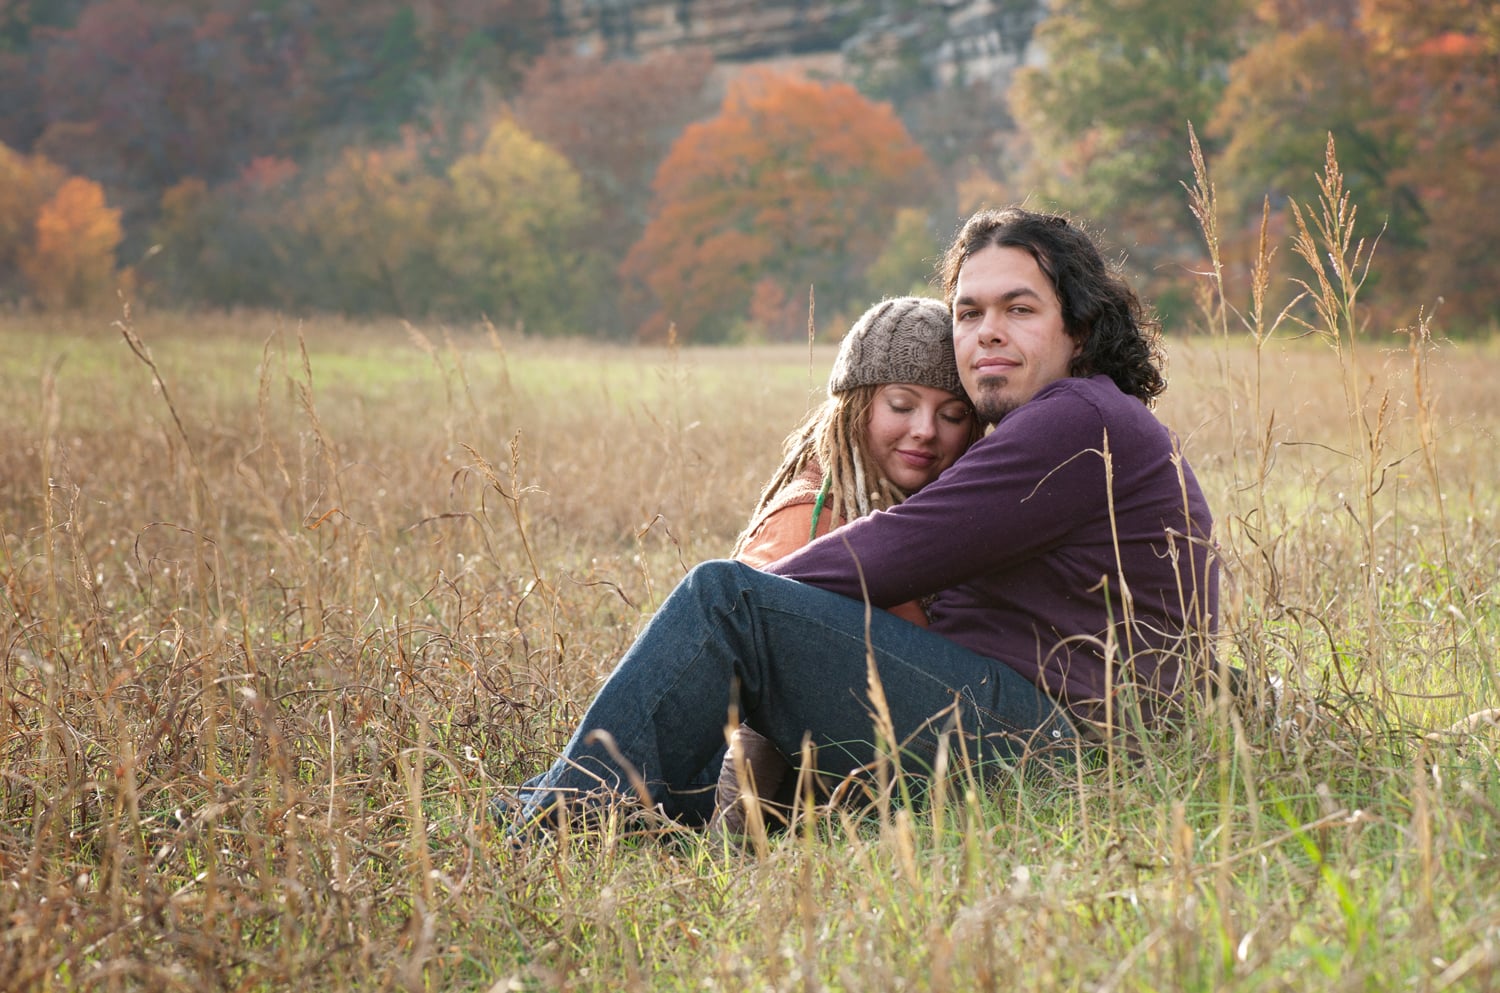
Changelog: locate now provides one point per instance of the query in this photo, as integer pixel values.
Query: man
(1065, 560)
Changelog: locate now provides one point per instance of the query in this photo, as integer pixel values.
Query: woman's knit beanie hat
(901, 340)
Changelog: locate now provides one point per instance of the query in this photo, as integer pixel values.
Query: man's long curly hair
(1099, 309)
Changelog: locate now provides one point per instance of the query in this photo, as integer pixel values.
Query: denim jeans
(792, 659)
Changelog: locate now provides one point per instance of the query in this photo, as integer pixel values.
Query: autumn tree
(1435, 67)
(72, 262)
(138, 95)
(142, 94)
(239, 244)
(794, 181)
(1409, 94)
(386, 229)
(26, 182)
(614, 121)
(1108, 110)
(512, 235)
(1306, 76)
(372, 219)
(1285, 96)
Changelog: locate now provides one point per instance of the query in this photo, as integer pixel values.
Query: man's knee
(722, 579)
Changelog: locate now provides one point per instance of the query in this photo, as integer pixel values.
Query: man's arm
(1013, 495)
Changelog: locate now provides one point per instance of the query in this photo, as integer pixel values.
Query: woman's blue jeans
(792, 660)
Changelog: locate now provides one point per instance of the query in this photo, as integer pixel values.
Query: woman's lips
(917, 460)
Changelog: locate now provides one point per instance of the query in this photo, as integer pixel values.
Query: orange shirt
(788, 527)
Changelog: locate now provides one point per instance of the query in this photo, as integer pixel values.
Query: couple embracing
(1020, 593)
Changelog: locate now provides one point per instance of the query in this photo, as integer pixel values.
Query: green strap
(818, 507)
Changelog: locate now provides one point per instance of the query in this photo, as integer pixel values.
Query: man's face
(1007, 330)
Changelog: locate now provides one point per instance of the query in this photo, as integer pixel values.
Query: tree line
(455, 160)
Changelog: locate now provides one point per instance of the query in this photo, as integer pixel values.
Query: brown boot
(764, 769)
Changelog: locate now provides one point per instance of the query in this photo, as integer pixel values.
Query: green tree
(1108, 110)
(794, 181)
(907, 262)
(239, 244)
(1308, 77)
(1285, 96)
(512, 245)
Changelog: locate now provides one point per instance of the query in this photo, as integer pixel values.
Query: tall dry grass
(284, 605)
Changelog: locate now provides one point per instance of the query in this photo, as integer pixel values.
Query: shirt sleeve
(785, 531)
(1013, 495)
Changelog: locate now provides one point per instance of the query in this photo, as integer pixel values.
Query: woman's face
(915, 432)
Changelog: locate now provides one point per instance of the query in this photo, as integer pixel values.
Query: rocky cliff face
(957, 38)
(734, 30)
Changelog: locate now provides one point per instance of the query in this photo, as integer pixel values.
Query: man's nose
(992, 329)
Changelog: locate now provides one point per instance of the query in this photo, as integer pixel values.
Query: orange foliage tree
(795, 183)
(1437, 71)
(26, 182)
(72, 263)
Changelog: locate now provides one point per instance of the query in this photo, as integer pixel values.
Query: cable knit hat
(901, 340)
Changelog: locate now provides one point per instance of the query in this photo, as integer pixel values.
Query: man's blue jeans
(793, 660)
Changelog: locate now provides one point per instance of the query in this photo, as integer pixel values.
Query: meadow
(285, 604)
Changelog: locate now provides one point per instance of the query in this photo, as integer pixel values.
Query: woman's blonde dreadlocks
(834, 436)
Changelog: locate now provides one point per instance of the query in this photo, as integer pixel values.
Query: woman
(895, 417)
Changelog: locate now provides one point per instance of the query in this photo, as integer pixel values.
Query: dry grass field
(284, 605)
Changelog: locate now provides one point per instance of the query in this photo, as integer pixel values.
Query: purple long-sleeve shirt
(1029, 542)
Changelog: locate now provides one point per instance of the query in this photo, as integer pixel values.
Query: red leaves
(795, 181)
